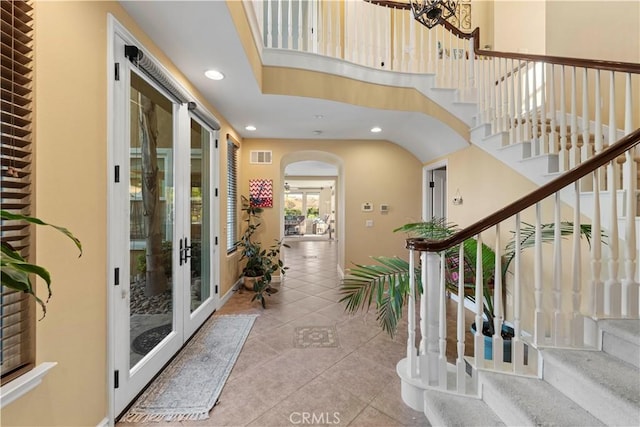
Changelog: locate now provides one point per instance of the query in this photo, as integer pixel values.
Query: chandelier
(433, 12)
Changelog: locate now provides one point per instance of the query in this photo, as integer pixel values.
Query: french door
(161, 229)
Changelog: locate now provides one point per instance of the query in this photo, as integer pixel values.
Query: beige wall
(519, 26)
(372, 171)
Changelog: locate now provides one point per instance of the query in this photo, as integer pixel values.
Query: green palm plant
(16, 271)
(387, 283)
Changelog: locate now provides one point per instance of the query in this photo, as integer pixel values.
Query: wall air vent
(260, 157)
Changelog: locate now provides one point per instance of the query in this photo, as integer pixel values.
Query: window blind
(16, 308)
(232, 194)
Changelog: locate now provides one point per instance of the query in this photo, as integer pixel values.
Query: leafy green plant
(16, 270)
(387, 283)
(260, 262)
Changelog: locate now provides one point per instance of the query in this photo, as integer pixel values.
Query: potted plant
(261, 262)
(16, 270)
(387, 283)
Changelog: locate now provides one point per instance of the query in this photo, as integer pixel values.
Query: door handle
(184, 251)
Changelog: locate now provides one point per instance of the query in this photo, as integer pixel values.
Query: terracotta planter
(249, 282)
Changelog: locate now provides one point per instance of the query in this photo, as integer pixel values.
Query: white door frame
(117, 226)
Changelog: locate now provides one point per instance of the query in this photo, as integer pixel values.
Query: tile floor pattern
(276, 382)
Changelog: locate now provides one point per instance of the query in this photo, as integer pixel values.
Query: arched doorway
(312, 200)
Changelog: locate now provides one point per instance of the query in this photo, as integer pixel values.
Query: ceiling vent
(260, 157)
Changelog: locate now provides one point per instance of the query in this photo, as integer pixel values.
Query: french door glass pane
(151, 195)
(200, 277)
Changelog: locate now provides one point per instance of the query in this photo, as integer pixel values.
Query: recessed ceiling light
(214, 74)
(317, 132)
(376, 129)
(319, 116)
(250, 128)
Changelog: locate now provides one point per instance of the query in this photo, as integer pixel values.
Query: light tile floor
(276, 383)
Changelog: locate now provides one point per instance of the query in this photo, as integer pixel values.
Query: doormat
(146, 341)
(190, 386)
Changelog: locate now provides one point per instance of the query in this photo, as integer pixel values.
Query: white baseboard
(104, 422)
(230, 292)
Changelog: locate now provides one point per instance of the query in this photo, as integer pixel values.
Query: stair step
(609, 387)
(621, 339)
(520, 401)
(445, 409)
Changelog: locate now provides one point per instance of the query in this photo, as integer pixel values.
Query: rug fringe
(143, 418)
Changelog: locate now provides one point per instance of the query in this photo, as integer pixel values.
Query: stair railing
(546, 294)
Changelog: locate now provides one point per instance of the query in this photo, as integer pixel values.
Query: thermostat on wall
(367, 207)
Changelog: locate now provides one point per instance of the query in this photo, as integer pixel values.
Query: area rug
(190, 386)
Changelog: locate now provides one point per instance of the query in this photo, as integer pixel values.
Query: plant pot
(488, 342)
(249, 282)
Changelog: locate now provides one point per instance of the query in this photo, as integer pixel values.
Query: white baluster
(539, 325)
(431, 59)
(443, 58)
(460, 326)
(577, 320)
(328, 45)
(553, 135)
(424, 333)
(472, 65)
(498, 315)
(442, 329)
(379, 39)
(432, 290)
(612, 288)
(338, 32)
(519, 110)
(396, 65)
(517, 351)
(411, 319)
(527, 106)
(269, 24)
(564, 150)
(479, 337)
(629, 284)
(412, 45)
(597, 132)
(512, 104)
(422, 66)
(493, 93)
(586, 134)
(558, 324)
(544, 137)
(574, 154)
(290, 25)
(451, 48)
(499, 102)
(300, 47)
(279, 24)
(534, 112)
(596, 302)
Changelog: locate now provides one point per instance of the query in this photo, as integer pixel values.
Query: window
(232, 193)
(17, 311)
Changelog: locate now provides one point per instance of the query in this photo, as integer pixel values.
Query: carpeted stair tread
(609, 387)
(445, 409)
(629, 330)
(531, 401)
(621, 338)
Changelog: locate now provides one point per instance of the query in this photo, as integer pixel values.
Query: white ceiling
(200, 35)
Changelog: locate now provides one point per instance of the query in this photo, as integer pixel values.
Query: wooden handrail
(625, 67)
(541, 193)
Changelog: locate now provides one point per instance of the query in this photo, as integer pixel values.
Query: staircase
(578, 388)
